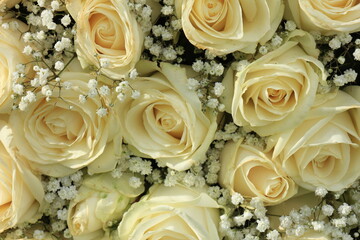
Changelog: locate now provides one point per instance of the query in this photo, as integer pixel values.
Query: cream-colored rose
(106, 29)
(21, 192)
(276, 91)
(101, 198)
(324, 149)
(174, 212)
(58, 140)
(310, 235)
(326, 16)
(167, 121)
(9, 3)
(249, 171)
(225, 26)
(11, 48)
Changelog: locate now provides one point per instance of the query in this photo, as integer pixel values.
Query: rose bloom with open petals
(11, 48)
(276, 91)
(247, 170)
(58, 140)
(225, 26)
(166, 122)
(106, 29)
(324, 150)
(174, 212)
(21, 191)
(325, 16)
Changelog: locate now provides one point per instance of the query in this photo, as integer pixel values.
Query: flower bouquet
(179, 119)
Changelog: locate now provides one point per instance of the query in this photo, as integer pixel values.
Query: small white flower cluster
(209, 90)
(50, 43)
(349, 76)
(159, 44)
(137, 165)
(191, 178)
(333, 218)
(142, 12)
(249, 222)
(340, 40)
(124, 89)
(58, 193)
(208, 67)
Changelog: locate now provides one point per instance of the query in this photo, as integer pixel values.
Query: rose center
(266, 181)
(168, 120)
(64, 123)
(323, 165)
(214, 7)
(106, 33)
(276, 95)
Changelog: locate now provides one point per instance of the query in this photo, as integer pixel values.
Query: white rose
(249, 171)
(11, 54)
(226, 26)
(101, 199)
(21, 192)
(276, 91)
(324, 149)
(166, 122)
(58, 140)
(106, 30)
(171, 213)
(326, 16)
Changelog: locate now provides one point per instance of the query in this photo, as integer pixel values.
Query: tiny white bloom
(104, 62)
(135, 94)
(27, 50)
(66, 20)
(59, 65)
(92, 83)
(101, 112)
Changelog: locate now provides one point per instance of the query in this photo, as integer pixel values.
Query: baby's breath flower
(66, 20)
(167, 10)
(133, 74)
(135, 94)
(104, 90)
(67, 193)
(237, 199)
(320, 192)
(318, 225)
(39, 234)
(135, 182)
(212, 103)
(92, 83)
(82, 98)
(218, 89)
(263, 50)
(335, 43)
(276, 41)
(27, 50)
(102, 112)
(341, 59)
(290, 25)
(59, 65)
(356, 54)
(327, 210)
(104, 62)
(344, 209)
(18, 89)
